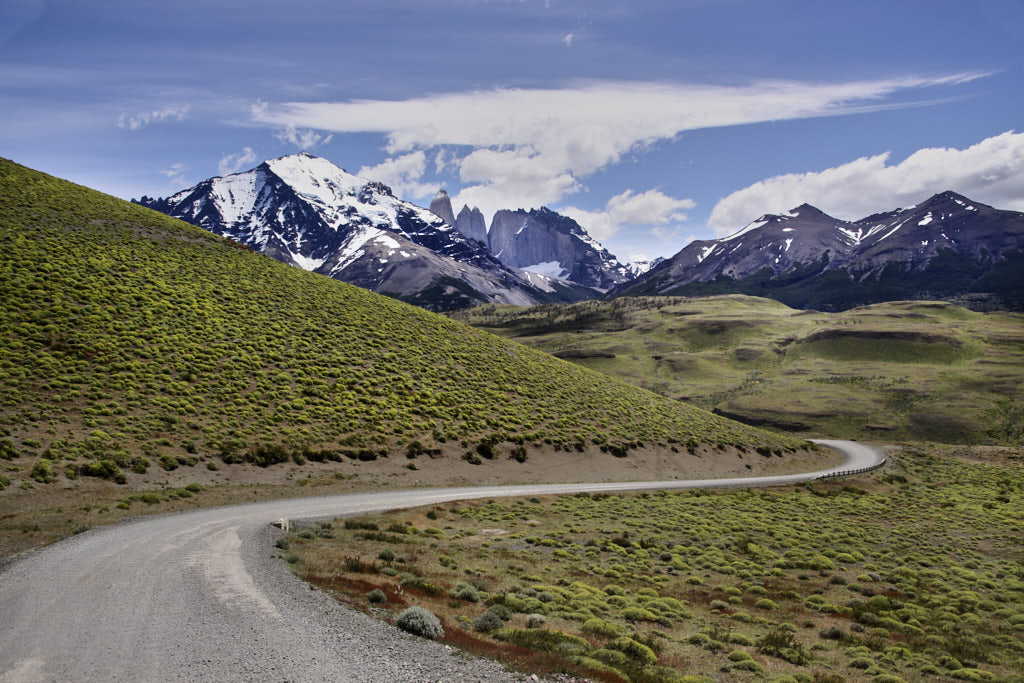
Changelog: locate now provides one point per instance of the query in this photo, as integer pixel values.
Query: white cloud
(303, 139)
(402, 174)
(532, 146)
(174, 112)
(991, 171)
(650, 210)
(568, 38)
(233, 163)
(175, 175)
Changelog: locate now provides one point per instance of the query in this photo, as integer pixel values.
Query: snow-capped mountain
(549, 243)
(539, 241)
(639, 266)
(305, 211)
(945, 247)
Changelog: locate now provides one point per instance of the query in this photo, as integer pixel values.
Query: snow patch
(926, 220)
(305, 262)
(707, 252)
(548, 269)
(387, 241)
(752, 226)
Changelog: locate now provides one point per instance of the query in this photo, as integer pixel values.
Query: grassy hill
(901, 370)
(134, 344)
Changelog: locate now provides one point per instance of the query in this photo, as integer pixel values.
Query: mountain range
(947, 247)
(307, 212)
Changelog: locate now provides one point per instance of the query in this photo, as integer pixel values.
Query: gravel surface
(198, 596)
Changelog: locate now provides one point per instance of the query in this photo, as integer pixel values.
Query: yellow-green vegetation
(133, 342)
(896, 371)
(911, 573)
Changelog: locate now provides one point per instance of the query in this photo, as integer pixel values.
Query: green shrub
(833, 633)
(599, 628)
(639, 654)
(749, 665)
(464, 591)
(420, 622)
(543, 640)
(376, 597)
(42, 472)
(500, 611)
(487, 622)
(782, 643)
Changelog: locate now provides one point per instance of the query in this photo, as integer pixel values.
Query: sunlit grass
(896, 371)
(912, 573)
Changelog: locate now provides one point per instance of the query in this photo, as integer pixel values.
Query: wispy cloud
(991, 171)
(175, 175)
(568, 38)
(534, 146)
(233, 163)
(174, 112)
(303, 139)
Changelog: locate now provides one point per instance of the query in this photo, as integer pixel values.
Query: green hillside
(132, 340)
(900, 370)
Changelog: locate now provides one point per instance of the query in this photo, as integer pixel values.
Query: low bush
(420, 622)
(464, 591)
(487, 622)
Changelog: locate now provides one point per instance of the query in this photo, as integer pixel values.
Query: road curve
(196, 596)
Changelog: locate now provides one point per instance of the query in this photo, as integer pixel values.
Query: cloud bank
(650, 209)
(530, 147)
(992, 171)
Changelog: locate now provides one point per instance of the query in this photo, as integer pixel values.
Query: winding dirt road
(197, 596)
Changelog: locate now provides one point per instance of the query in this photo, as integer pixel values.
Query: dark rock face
(543, 241)
(307, 212)
(471, 223)
(947, 247)
(441, 206)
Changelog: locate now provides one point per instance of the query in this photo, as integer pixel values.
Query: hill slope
(903, 370)
(131, 338)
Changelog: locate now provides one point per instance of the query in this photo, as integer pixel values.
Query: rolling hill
(134, 342)
(911, 370)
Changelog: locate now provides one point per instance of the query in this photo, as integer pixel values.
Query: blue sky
(651, 123)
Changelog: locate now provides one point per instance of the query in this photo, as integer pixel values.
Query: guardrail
(850, 473)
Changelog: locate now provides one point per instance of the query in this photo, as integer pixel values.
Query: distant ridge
(947, 247)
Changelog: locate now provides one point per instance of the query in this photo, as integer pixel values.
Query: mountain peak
(806, 208)
(441, 206)
(948, 197)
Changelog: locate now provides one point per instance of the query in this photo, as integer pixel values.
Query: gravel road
(197, 596)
